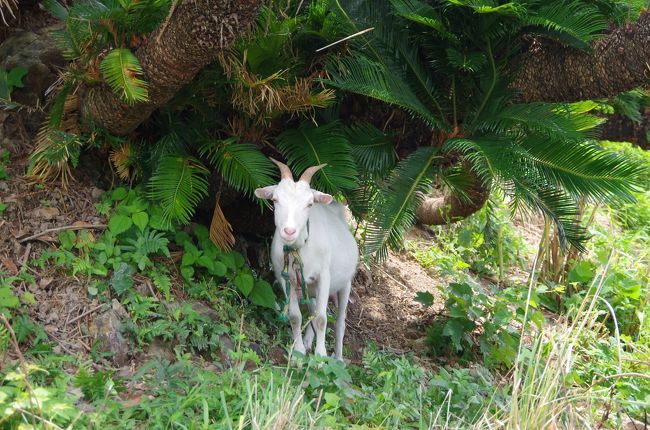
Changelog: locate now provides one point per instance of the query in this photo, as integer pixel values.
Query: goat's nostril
(289, 231)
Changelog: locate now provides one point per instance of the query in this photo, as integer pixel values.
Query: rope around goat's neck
(293, 264)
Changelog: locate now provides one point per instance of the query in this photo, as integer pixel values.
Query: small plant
(10, 80)
(477, 321)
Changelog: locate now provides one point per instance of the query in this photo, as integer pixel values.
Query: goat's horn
(285, 172)
(307, 174)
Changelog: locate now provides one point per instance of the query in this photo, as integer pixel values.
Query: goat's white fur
(328, 251)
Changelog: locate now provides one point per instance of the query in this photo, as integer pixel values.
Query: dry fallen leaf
(11, 267)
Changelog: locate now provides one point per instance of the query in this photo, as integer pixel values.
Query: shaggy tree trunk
(619, 61)
(451, 208)
(193, 34)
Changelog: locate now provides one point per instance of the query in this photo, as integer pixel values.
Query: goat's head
(292, 201)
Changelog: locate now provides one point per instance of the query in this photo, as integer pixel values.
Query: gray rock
(161, 350)
(96, 193)
(37, 53)
(46, 213)
(106, 328)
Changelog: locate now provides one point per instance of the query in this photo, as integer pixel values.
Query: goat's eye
(310, 205)
(275, 200)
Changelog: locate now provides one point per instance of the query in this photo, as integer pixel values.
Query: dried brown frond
(122, 159)
(221, 230)
(52, 154)
(264, 98)
(247, 130)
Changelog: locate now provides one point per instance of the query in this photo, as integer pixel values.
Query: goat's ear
(266, 192)
(323, 198)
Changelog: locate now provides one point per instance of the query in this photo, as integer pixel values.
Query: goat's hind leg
(344, 297)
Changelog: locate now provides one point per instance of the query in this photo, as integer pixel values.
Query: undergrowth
(511, 353)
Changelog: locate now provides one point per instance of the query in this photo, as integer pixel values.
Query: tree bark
(452, 208)
(194, 32)
(620, 61)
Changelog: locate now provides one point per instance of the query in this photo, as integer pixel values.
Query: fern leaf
(179, 184)
(393, 211)
(242, 165)
(309, 146)
(163, 283)
(121, 69)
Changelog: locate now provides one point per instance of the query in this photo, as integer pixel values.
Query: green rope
(298, 267)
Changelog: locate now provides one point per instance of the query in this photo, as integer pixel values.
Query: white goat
(309, 222)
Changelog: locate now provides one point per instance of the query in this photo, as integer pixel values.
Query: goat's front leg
(320, 316)
(295, 318)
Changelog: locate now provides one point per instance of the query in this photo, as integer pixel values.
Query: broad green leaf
(244, 282)
(140, 219)
(262, 294)
(119, 224)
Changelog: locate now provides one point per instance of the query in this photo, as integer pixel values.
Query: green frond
(361, 75)
(573, 23)
(372, 149)
(560, 121)
(631, 104)
(421, 13)
(179, 184)
(557, 206)
(393, 211)
(468, 62)
(242, 165)
(309, 146)
(55, 9)
(121, 69)
(491, 6)
(584, 169)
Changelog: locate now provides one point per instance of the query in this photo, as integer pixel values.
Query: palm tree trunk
(452, 208)
(192, 35)
(620, 61)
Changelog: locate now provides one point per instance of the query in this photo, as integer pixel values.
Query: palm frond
(393, 211)
(372, 149)
(55, 151)
(55, 9)
(361, 75)
(491, 6)
(123, 158)
(121, 69)
(309, 146)
(584, 169)
(220, 229)
(560, 121)
(573, 23)
(242, 165)
(179, 184)
(421, 13)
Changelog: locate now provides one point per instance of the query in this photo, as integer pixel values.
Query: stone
(39, 55)
(161, 350)
(106, 328)
(46, 213)
(96, 193)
